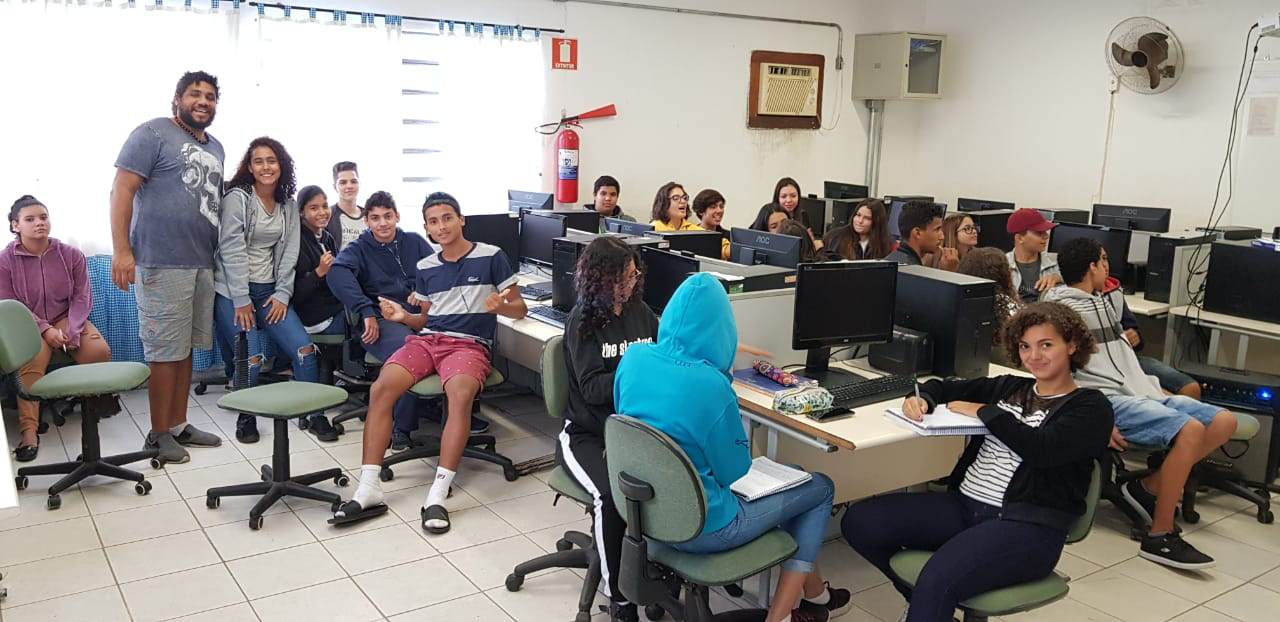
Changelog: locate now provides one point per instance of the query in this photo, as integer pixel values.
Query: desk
(1217, 323)
(1149, 308)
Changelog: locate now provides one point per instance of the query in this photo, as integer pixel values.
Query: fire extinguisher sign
(564, 54)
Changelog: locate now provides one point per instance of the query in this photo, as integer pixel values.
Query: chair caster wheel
(1191, 516)
(143, 487)
(335, 506)
(65, 409)
(341, 480)
(654, 612)
(79, 457)
(44, 427)
(303, 423)
(212, 502)
(255, 522)
(1266, 517)
(21, 482)
(510, 474)
(582, 617)
(58, 419)
(54, 502)
(201, 388)
(337, 427)
(386, 475)
(563, 545)
(265, 473)
(157, 463)
(514, 582)
(734, 590)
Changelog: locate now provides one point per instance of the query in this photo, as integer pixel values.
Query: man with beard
(164, 228)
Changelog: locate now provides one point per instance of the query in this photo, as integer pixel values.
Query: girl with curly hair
(1016, 491)
(990, 263)
(609, 317)
(254, 268)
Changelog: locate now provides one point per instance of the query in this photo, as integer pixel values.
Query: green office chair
(1015, 598)
(555, 393)
(666, 503)
(93, 385)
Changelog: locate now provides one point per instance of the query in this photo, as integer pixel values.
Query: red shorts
(423, 355)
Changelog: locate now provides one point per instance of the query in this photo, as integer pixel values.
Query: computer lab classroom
(908, 220)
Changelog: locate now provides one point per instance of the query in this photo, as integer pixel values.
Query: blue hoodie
(697, 341)
(367, 268)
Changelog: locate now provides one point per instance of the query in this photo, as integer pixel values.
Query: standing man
(346, 222)
(1034, 268)
(164, 229)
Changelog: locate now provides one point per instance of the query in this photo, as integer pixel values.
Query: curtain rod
(438, 20)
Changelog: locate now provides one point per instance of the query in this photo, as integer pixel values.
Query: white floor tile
(536, 512)
(348, 455)
(339, 600)
(469, 528)
(45, 541)
(528, 448)
(260, 451)
(231, 510)
(1127, 598)
(59, 576)
(473, 608)
(410, 474)
(1249, 603)
(317, 521)
(488, 565)
(196, 482)
(285, 570)
(882, 601)
(846, 569)
(1244, 527)
(32, 510)
(160, 556)
(146, 522)
(119, 495)
(414, 585)
(1076, 567)
(182, 593)
(1196, 586)
(553, 599)
(205, 457)
(1271, 580)
(1204, 614)
(379, 548)
(279, 531)
(485, 482)
(1105, 547)
(1238, 559)
(240, 612)
(100, 605)
(546, 538)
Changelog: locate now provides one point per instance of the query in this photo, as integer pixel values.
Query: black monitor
(842, 211)
(895, 206)
(581, 220)
(537, 229)
(1116, 241)
(500, 230)
(520, 200)
(664, 271)
(815, 211)
(842, 190)
(824, 318)
(750, 247)
(618, 225)
(977, 205)
(704, 243)
(1153, 219)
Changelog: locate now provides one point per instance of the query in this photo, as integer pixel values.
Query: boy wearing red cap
(1034, 269)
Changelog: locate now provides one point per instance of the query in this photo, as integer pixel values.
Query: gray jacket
(231, 264)
(1114, 368)
(1048, 265)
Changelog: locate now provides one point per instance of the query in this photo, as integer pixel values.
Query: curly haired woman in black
(609, 317)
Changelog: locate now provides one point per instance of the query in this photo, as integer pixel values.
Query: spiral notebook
(941, 422)
(767, 477)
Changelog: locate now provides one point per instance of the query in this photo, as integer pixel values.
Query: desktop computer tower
(958, 313)
(1241, 280)
(1160, 261)
(991, 228)
(564, 261)
(1078, 216)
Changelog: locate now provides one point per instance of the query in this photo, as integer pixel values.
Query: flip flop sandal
(352, 512)
(435, 513)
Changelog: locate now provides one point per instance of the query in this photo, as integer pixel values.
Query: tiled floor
(109, 554)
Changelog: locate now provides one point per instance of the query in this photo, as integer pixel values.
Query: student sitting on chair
(770, 219)
(709, 206)
(786, 195)
(1016, 491)
(51, 280)
(866, 237)
(605, 199)
(808, 254)
(1144, 414)
(1035, 269)
(696, 343)
(920, 227)
(671, 209)
(1173, 382)
(254, 267)
(989, 263)
(959, 233)
(610, 317)
(460, 291)
(320, 311)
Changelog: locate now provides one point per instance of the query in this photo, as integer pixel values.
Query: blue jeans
(1156, 422)
(801, 511)
(1171, 379)
(288, 335)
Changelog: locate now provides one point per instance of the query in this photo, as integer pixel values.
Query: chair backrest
(555, 377)
(679, 505)
(19, 338)
(1083, 524)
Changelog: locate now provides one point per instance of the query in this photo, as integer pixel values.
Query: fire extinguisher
(567, 166)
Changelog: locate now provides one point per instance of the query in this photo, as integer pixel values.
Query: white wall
(1024, 112)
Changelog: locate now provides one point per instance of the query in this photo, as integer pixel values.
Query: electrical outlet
(1114, 84)
(1269, 25)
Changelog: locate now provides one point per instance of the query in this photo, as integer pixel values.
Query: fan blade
(1122, 56)
(1153, 73)
(1156, 46)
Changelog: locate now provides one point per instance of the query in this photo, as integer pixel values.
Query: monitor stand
(817, 367)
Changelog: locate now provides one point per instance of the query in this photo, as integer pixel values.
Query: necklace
(189, 132)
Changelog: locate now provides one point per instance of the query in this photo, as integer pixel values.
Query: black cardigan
(312, 300)
(1050, 485)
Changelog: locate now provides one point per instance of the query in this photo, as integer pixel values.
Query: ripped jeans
(288, 335)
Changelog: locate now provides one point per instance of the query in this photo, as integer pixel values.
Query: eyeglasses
(970, 229)
(678, 197)
(634, 275)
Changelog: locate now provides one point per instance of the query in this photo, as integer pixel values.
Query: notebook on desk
(941, 422)
(767, 477)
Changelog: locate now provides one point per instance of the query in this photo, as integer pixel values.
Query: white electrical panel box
(898, 65)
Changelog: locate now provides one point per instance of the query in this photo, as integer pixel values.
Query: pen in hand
(916, 386)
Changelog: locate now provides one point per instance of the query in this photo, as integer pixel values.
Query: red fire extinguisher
(567, 167)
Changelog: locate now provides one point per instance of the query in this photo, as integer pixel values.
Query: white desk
(1141, 306)
(1217, 323)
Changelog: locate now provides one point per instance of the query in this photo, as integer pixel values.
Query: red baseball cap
(1027, 219)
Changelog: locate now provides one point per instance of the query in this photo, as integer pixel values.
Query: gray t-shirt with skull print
(175, 212)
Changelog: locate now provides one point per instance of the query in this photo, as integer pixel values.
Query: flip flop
(352, 512)
(435, 512)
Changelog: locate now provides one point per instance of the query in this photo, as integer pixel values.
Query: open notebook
(941, 422)
(767, 477)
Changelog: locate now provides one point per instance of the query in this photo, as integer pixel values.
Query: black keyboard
(872, 390)
(549, 315)
(536, 291)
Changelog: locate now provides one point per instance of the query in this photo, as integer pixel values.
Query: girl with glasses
(959, 236)
(671, 209)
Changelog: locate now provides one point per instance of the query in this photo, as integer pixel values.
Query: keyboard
(536, 291)
(872, 390)
(549, 315)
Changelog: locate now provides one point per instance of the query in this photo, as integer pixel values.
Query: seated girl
(770, 218)
(318, 309)
(959, 232)
(808, 254)
(671, 209)
(991, 264)
(866, 237)
(1016, 491)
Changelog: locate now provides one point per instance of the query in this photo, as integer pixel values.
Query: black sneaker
(319, 425)
(478, 425)
(247, 429)
(1140, 499)
(810, 614)
(623, 612)
(400, 441)
(1171, 550)
(838, 602)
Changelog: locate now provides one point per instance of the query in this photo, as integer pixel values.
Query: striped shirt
(988, 475)
(457, 291)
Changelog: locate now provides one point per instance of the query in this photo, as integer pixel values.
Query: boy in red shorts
(460, 290)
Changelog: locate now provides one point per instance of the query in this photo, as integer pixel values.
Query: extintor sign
(564, 54)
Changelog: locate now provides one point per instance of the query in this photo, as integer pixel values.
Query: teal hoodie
(683, 385)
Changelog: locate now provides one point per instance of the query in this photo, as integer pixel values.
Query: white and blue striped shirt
(457, 291)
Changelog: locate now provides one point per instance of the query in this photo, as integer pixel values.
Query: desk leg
(1242, 352)
(1215, 342)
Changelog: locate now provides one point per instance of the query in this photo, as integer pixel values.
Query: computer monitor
(815, 210)
(842, 190)
(895, 210)
(824, 318)
(842, 211)
(703, 243)
(520, 201)
(977, 205)
(664, 271)
(581, 220)
(1116, 241)
(537, 229)
(750, 247)
(1151, 219)
(500, 230)
(618, 225)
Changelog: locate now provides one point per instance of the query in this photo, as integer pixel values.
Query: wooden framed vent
(786, 90)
